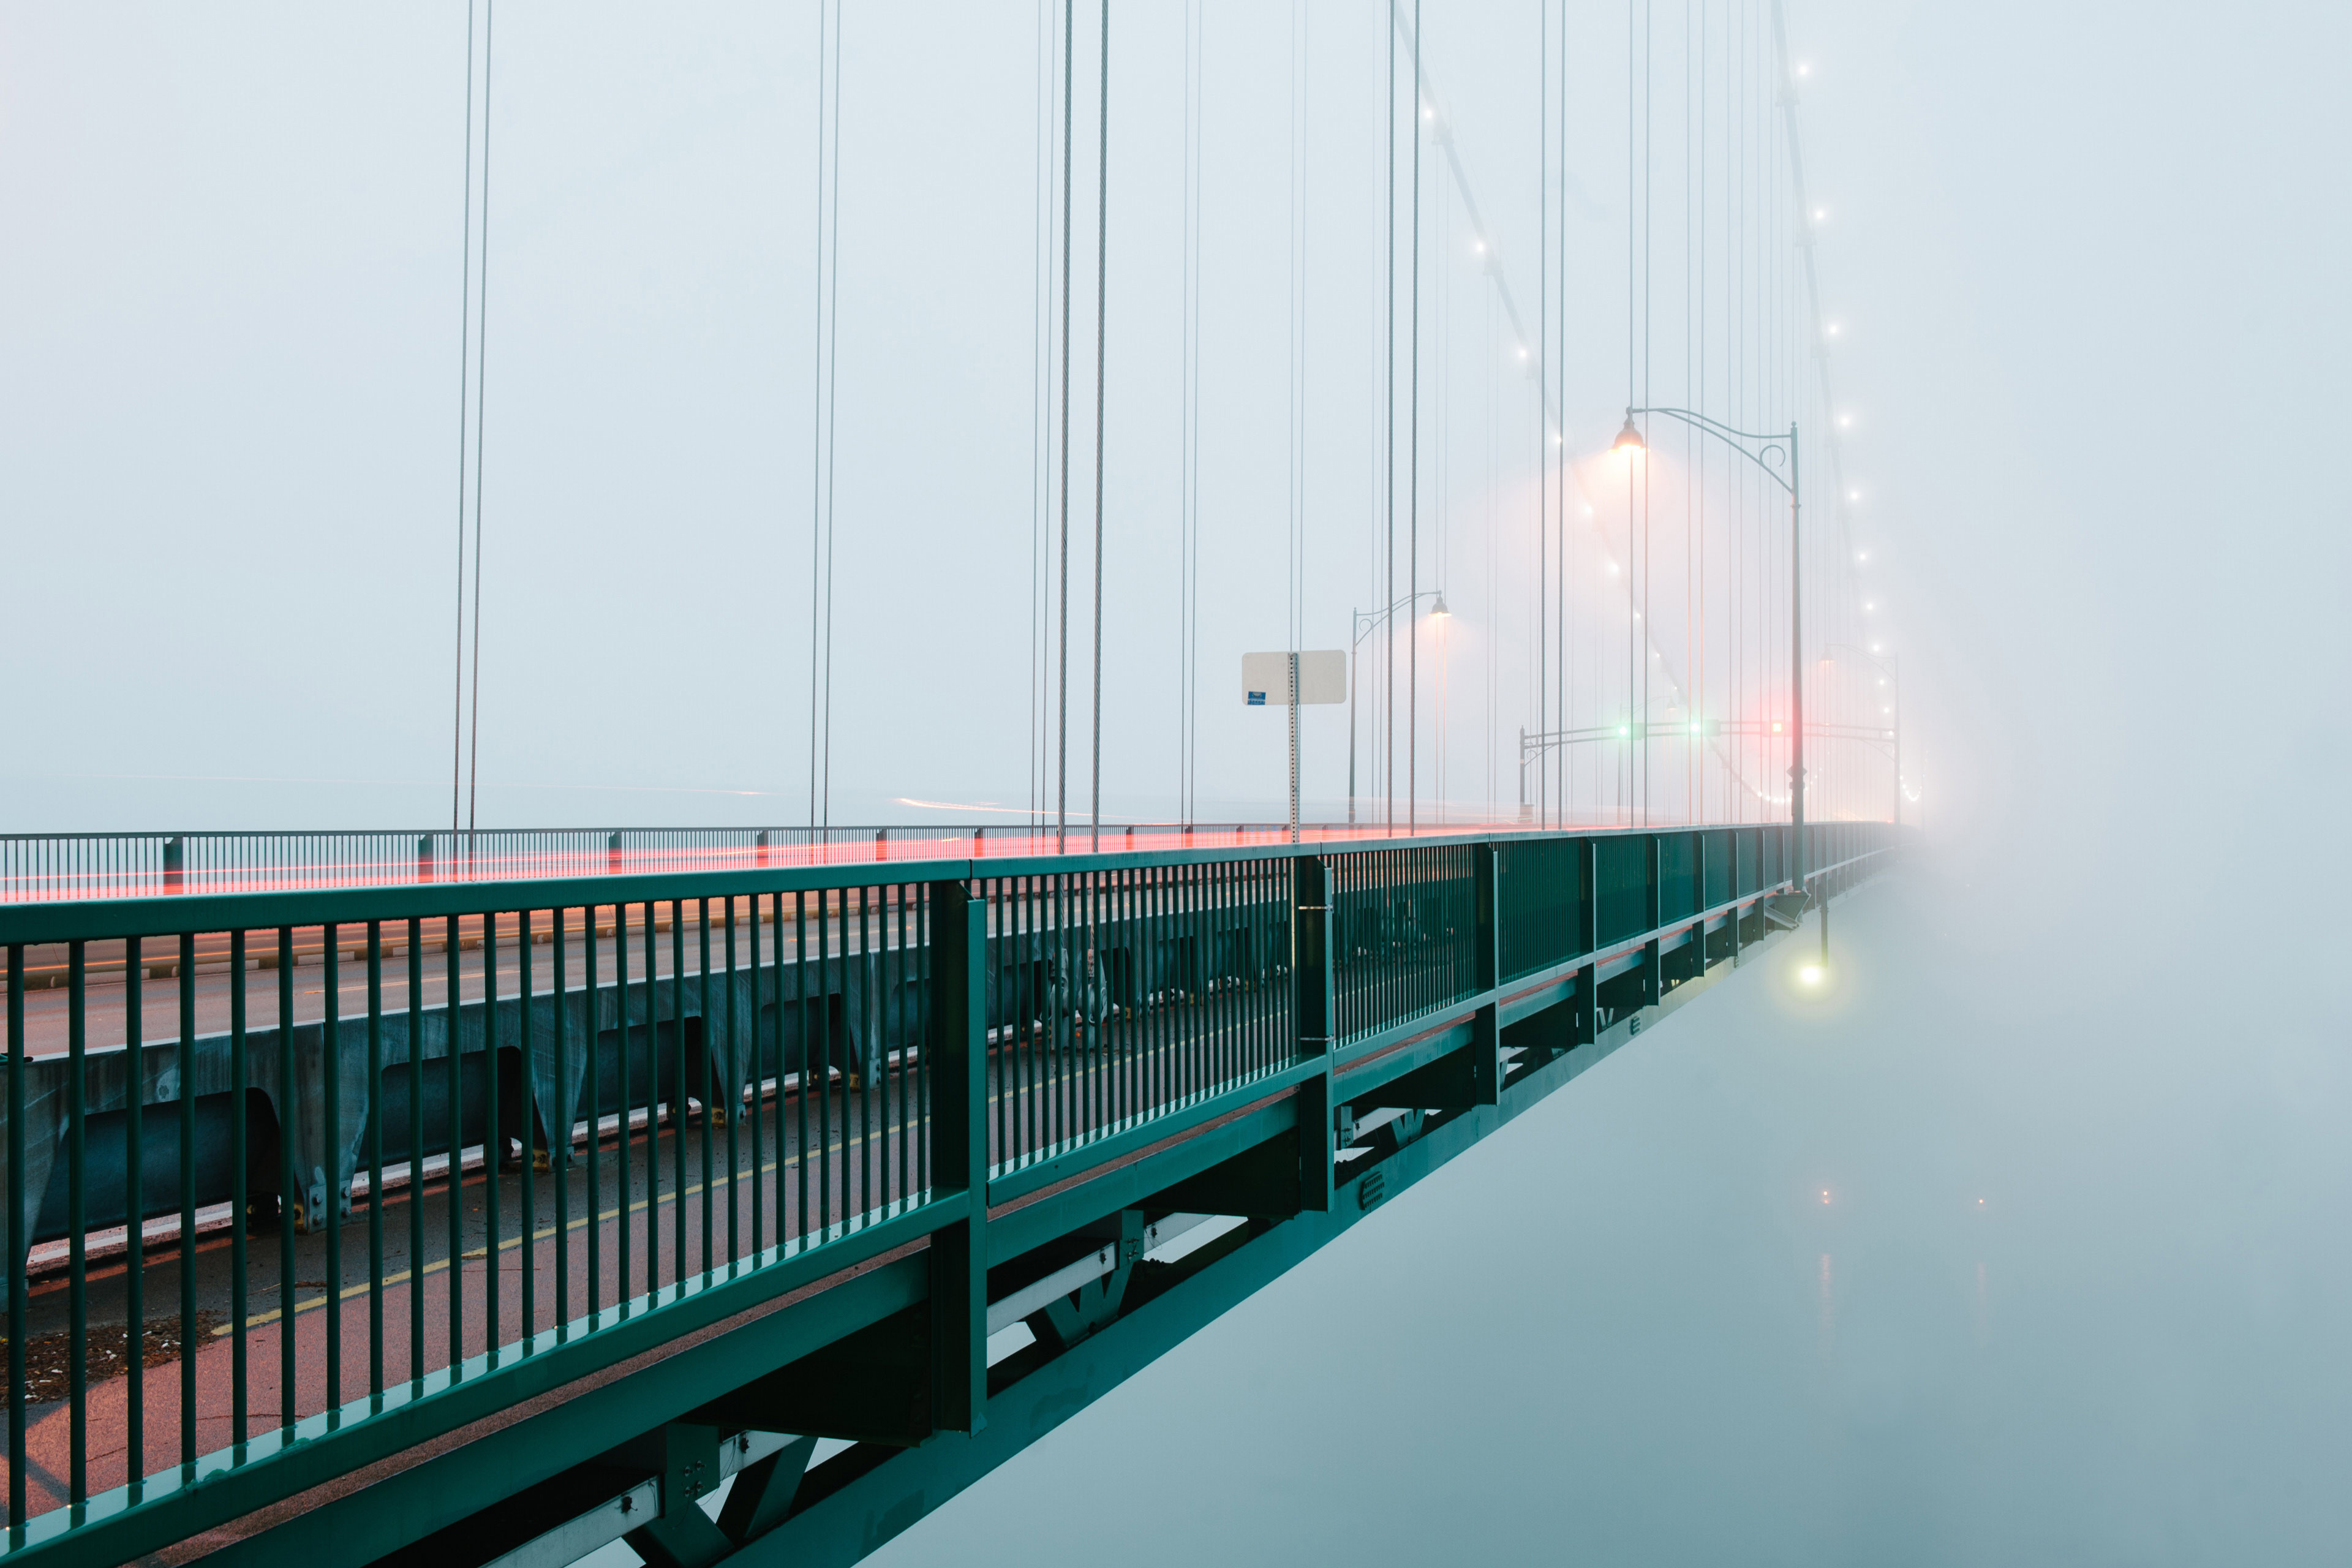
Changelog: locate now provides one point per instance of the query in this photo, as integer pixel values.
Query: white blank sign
(1322, 678)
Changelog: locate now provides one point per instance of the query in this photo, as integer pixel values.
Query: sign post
(1286, 680)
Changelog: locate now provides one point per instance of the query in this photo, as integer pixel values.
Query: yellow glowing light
(1811, 975)
(1776, 726)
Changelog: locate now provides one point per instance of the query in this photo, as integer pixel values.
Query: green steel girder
(1467, 1076)
(1360, 1075)
(871, 1385)
(462, 1480)
(1013, 1232)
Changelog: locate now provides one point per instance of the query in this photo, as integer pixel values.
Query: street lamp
(1365, 620)
(1770, 451)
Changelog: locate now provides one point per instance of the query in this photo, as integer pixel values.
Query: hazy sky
(235, 311)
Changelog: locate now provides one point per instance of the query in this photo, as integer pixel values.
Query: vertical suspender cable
(465, 383)
(1561, 667)
(1388, 447)
(481, 404)
(1061, 677)
(1299, 597)
(1544, 470)
(1184, 439)
(1034, 757)
(1413, 473)
(831, 407)
(1192, 409)
(1637, 692)
(1620, 776)
(1486, 595)
(816, 428)
(1290, 419)
(1694, 354)
(1102, 324)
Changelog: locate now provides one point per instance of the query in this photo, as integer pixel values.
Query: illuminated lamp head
(1629, 442)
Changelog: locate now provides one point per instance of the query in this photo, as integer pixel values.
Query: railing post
(881, 844)
(1699, 897)
(763, 846)
(1738, 910)
(958, 1250)
(424, 857)
(1585, 1017)
(176, 865)
(613, 854)
(1653, 962)
(1486, 1027)
(1311, 1009)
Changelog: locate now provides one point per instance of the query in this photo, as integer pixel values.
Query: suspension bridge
(482, 1196)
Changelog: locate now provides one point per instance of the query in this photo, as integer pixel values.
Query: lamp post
(1365, 621)
(1770, 451)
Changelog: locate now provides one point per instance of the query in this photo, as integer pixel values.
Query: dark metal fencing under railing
(1402, 924)
(1114, 996)
(284, 1166)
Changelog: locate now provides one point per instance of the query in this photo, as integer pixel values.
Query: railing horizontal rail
(46, 867)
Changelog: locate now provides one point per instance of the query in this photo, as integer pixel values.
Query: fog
(2076, 1294)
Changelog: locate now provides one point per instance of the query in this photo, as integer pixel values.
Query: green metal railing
(37, 866)
(299, 1174)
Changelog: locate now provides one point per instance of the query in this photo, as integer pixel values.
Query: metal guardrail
(379, 1159)
(37, 866)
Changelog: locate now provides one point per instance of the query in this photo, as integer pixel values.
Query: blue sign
(1257, 699)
